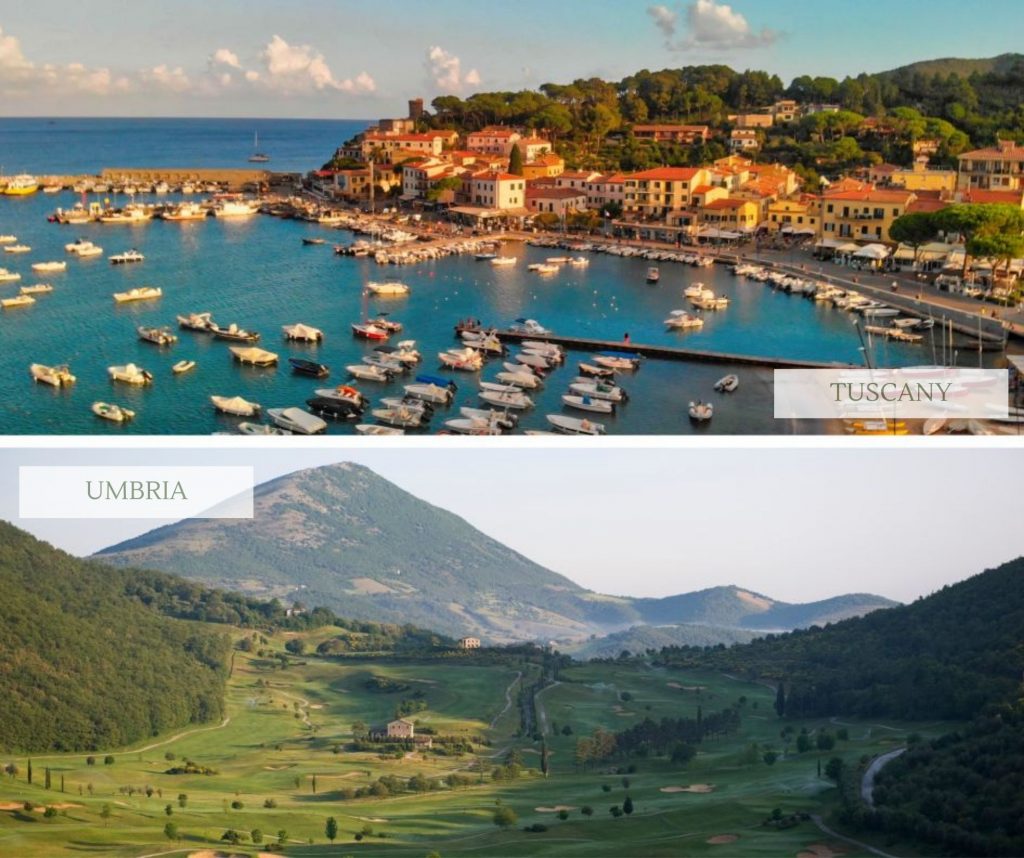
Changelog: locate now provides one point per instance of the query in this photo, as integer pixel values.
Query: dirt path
(150, 747)
(860, 845)
(542, 715)
(867, 781)
(508, 698)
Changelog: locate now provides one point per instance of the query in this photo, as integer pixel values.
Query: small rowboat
(727, 384)
(114, 413)
(183, 366)
(700, 412)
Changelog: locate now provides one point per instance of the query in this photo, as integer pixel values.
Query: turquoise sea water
(257, 273)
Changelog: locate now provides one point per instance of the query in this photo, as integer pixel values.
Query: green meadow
(281, 765)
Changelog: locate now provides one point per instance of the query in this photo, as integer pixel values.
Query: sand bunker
(686, 687)
(719, 839)
(821, 850)
(210, 853)
(280, 768)
(558, 808)
(618, 710)
(700, 788)
(371, 819)
(316, 705)
(39, 808)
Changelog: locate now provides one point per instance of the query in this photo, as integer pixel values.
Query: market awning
(713, 232)
(831, 244)
(872, 251)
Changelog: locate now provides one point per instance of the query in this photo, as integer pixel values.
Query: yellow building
(653, 194)
(863, 215)
(997, 168)
(731, 214)
(792, 215)
(546, 166)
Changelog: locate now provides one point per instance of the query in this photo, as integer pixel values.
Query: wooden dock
(668, 352)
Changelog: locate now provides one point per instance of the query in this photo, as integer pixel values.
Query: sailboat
(257, 157)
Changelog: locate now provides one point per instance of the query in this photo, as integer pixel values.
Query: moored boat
(297, 421)
(683, 320)
(620, 361)
(235, 406)
(126, 258)
(55, 376)
(112, 412)
(196, 322)
(309, 367)
(365, 372)
(49, 266)
(370, 332)
(596, 371)
(129, 373)
(302, 333)
(17, 248)
(376, 429)
(588, 403)
(233, 333)
(598, 390)
(387, 288)
(183, 366)
(36, 289)
(727, 383)
(17, 301)
(139, 293)
(700, 412)
(575, 425)
(331, 408)
(253, 356)
(653, 274)
(512, 398)
(431, 388)
(161, 336)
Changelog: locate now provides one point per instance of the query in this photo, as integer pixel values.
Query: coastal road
(867, 782)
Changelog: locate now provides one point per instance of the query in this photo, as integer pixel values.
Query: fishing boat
(253, 356)
(126, 258)
(233, 333)
(228, 208)
(727, 383)
(598, 390)
(683, 320)
(513, 398)
(235, 406)
(139, 293)
(595, 371)
(653, 274)
(343, 393)
(503, 419)
(114, 413)
(375, 429)
(503, 261)
(366, 372)
(22, 185)
(130, 374)
(618, 361)
(17, 301)
(257, 157)
(49, 266)
(309, 367)
(313, 241)
(330, 408)
(432, 388)
(80, 247)
(700, 412)
(466, 360)
(17, 248)
(183, 366)
(473, 426)
(302, 333)
(247, 428)
(36, 289)
(403, 418)
(196, 322)
(574, 425)
(368, 331)
(297, 421)
(588, 403)
(55, 376)
(130, 214)
(185, 211)
(158, 336)
(387, 288)
(697, 290)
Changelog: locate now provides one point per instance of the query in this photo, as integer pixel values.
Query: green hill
(640, 639)
(343, 537)
(963, 67)
(86, 666)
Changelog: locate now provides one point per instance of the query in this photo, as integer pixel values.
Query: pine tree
(314, 784)
(627, 806)
(30, 771)
(46, 777)
(331, 828)
(515, 161)
(780, 700)
(62, 783)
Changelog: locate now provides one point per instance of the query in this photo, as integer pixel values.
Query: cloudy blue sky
(792, 524)
(345, 59)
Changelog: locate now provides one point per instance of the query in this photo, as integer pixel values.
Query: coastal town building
(353, 185)
(752, 120)
(605, 190)
(865, 215)
(730, 214)
(999, 167)
(576, 179)
(558, 201)
(685, 135)
(653, 194)
(399, 730)
(785, 110)
(494, 139)
(492, 189)
(793, 216)
(532, 148)
(392, 148)
(743, 140)
(544, 166)
(469, 643)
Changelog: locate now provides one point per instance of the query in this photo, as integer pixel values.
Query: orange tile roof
(871, 195)
(980, 195)
(930, 204)
(727, 204)
(1008, 153)
(667, 174)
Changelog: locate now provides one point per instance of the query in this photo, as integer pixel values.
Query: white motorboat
(700, 412)
(653, 274)
(36, 289)
(185, 211)
(253, 355)
(375, 429)
(130, 214)
(617, 362)
(528, 326)
(404, 352)
(542, 347)
(236, 208)
(402, 417)
(233, 333)
(235, 406)
(302, 333)
(472, 426)
(365, 372)
(524, 380)
(342, 393)
(139, 293)
(710, 302)
(158, 336)
(126, 258)
(8, 239)
(55, 376)
(484, 341)
(407, 401)
(387, 288)
(588, 403)
(522, 368)
(440, 394)
(579, 262)
(598, 390)
(183, 366)
(467, 360)
(129, 373)
(17, 248)
(8, 276)
(297, 421)
(697, 290)
(114, 413)
(574, 425)
(534, 361)
(385, 362)
(683, 320)
(196, 322)
(727, 383)
(247, 428)
(503, 419)
(17, 301)
(80, 247)
(49, 266)
(512, 399)
(503, 261)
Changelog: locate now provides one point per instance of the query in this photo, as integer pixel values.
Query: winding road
(867, 782)
(508, 698)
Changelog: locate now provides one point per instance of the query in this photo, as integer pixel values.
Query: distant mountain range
(343, 537)
(962, 67)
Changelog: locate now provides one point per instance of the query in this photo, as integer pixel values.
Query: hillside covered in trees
(960, 103)
(85, 666)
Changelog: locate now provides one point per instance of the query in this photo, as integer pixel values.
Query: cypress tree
(30, 771)
(780, 700)
(515, 161)
(46, 777)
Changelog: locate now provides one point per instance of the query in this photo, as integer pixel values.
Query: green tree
(627, 806)
(834, 769)
(171, 831)
(256, 835)
(505, 817)
(780, 700)
(182, 799)
(331, 828)
(913, 229)
(515, 161)
(296, 646)
(587, 810)
(105, 813)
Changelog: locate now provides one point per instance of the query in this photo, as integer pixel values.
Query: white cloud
(165, 77)
(297, 68)
(709, 25)
(225, 57)
(445, 71)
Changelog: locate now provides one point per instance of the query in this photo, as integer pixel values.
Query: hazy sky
(347, 59)
(795, 525)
